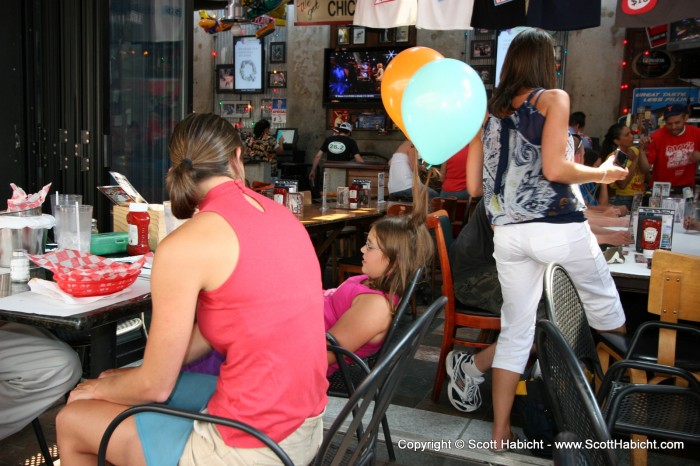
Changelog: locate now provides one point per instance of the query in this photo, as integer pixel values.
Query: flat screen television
(351, 76)
(684, 34)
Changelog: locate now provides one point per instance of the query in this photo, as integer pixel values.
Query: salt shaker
(19, 266)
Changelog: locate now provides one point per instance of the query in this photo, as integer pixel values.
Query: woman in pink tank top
(273, 343)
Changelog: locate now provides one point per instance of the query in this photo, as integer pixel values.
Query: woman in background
(273, 343)
(522, 160)
(262, 147)
(454, 175)
(401, 170)
(620, 136)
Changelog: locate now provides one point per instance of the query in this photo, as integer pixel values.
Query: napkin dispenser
(109, 243)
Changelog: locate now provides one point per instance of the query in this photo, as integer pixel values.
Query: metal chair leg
(387, 439)
(48, 460)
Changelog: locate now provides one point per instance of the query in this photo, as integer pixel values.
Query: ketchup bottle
(354, 195)
(138, 220)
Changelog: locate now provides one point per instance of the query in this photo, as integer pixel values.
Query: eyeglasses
(370, 246)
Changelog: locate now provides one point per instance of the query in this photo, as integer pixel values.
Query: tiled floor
(412, 416)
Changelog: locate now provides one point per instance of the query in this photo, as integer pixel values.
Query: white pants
(522, 253)
(36, 369)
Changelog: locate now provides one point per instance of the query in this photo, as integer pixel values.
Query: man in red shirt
(673, 150)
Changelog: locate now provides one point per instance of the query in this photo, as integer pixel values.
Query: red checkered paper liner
(81, 266)
(21, 201)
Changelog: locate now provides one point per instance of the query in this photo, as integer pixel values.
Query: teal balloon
(443, 107)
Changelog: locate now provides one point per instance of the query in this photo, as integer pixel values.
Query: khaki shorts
(206, 447)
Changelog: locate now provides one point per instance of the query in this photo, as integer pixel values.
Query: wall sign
(655, 64)
(308, 12)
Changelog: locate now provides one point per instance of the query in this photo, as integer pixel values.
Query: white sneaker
(463, 390)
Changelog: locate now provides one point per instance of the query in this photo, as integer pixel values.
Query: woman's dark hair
(613, 133)
(529, 63)
(203, 145)
(260, 128)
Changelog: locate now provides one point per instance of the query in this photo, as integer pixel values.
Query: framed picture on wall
(485, 73)
(358, 35)
(386, 36)
(483, 49)
(343, 35)
(234, 108)
(224, 79)
(402, 34)
(248, 65)
(266, 109)
(277, 79)
(278, 52)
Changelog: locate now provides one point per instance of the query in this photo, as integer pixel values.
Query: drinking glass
(73, 227)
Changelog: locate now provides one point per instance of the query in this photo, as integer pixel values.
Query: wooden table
(324, 227)
(99, 323)
(634, 276)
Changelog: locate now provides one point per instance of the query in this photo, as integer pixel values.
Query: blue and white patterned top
(515, 190)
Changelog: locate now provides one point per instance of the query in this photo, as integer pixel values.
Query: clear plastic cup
(64, 199)
(73, 227)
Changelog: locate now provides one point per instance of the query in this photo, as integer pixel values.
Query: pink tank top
(266, 319)
(337, 301)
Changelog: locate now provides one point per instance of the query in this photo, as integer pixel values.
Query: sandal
(514, 438)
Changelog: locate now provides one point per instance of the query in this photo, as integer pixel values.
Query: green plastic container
(109, 243)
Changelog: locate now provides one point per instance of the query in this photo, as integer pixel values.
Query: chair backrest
(349, 374)
(357, 444)
(674, 288)
(399, 209)
(436, 223)
(674, 294)
(564, 308)
(572, 400)
(194, 415)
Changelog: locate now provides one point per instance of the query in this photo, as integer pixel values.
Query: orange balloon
(397, 74)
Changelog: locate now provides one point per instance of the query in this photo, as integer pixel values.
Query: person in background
(36, 370)
(673, 150)
(403, 165)
(537, 215)
(339, 148)
(620, 136)
(263, 147)
(454, 175)
(577, 121)
(359, 312)
(273, 343)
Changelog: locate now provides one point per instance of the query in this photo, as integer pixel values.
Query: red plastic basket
(83, 288)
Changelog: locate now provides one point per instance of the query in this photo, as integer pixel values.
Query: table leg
(103, 348)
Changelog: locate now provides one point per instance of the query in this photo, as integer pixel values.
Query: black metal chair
(342, 383)
(356, 444)
(39, 432)
(569, 450)
(194, 415)
(673, 339)
(636, 409)
(573, 403)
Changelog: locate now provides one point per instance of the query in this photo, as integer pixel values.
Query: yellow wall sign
(308, 12)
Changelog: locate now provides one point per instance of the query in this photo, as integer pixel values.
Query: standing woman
(522, 162)
(620, 136)
(263, 147)
(273, 343)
